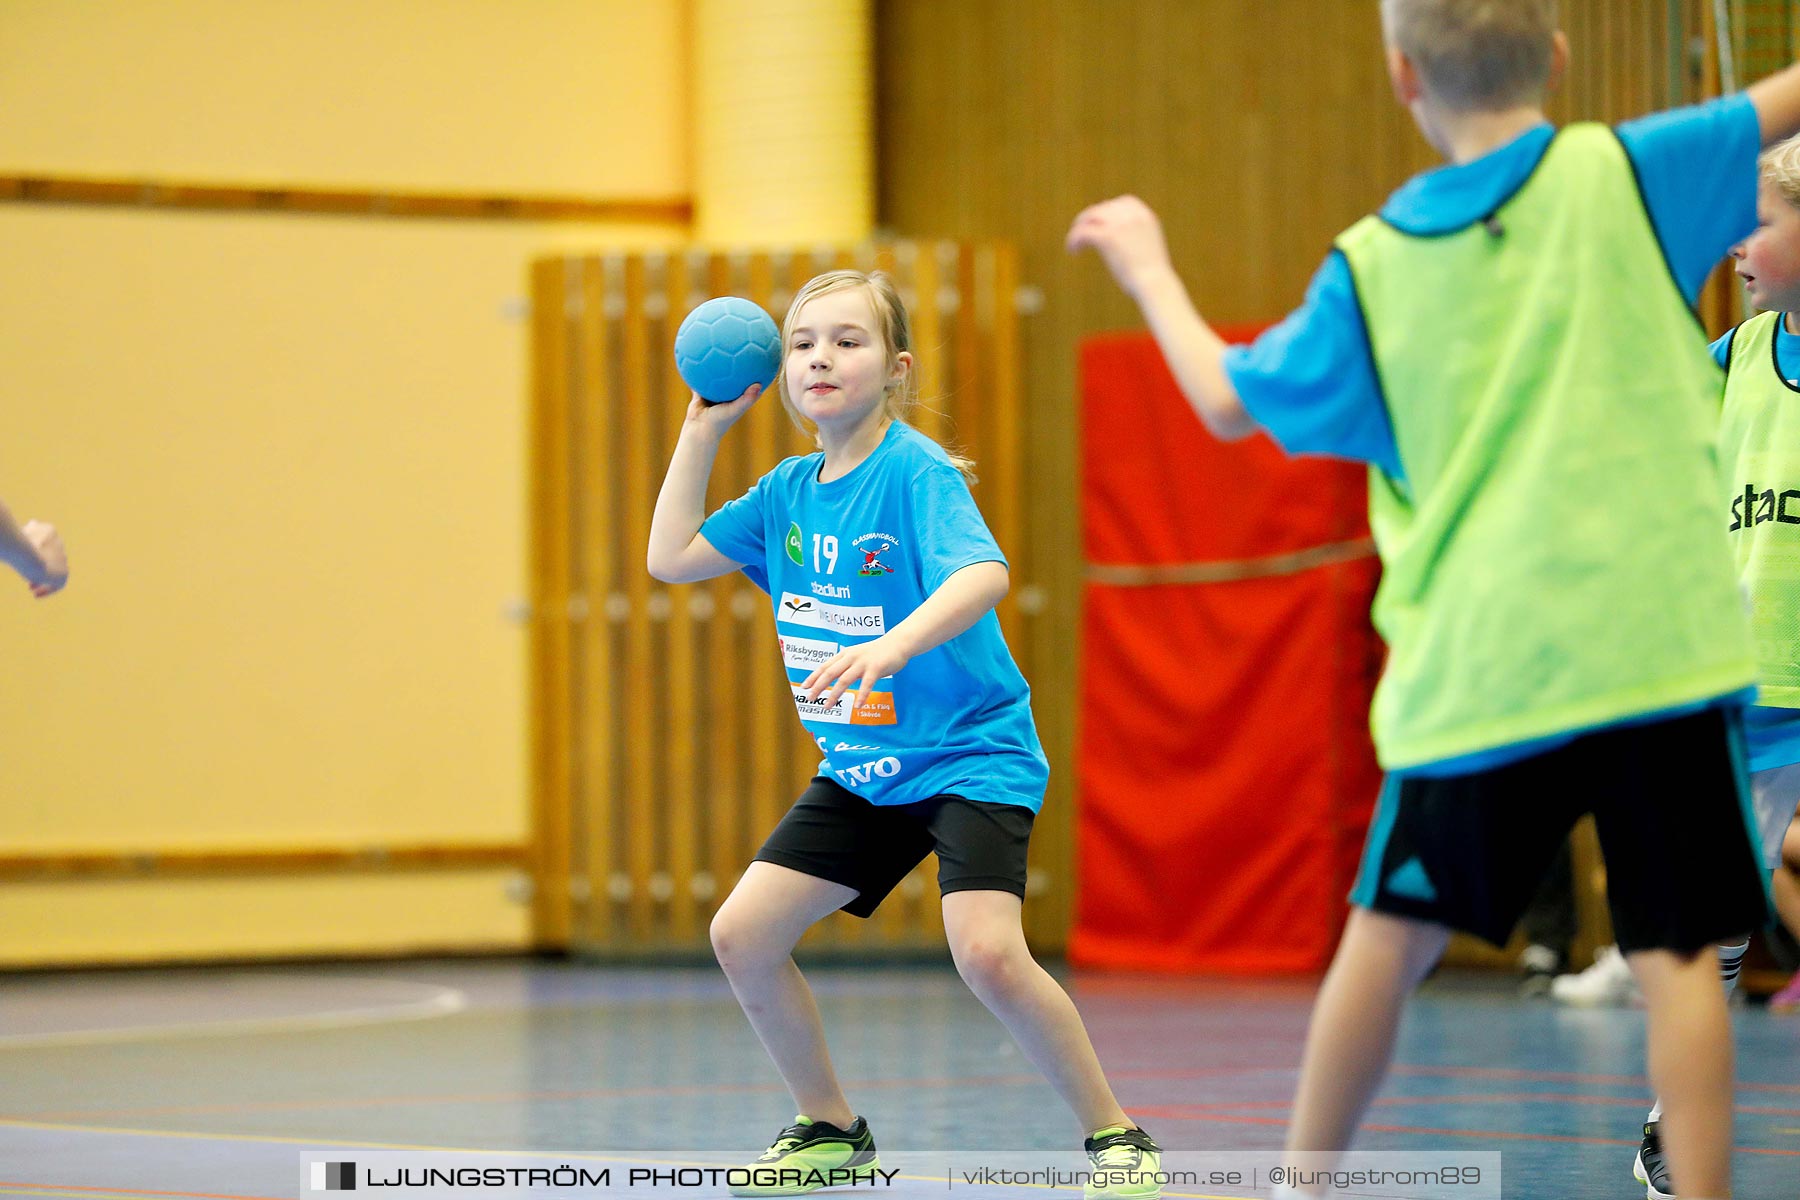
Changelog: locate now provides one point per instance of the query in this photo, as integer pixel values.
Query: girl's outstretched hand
(717, 418)
(860, 666)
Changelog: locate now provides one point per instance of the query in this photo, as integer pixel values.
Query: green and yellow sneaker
(1651, 1169)
(1127, 1165)
(809, 1155)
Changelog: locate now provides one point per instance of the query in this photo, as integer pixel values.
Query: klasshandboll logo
(793, 544)
(333, 1177)
(878, 546)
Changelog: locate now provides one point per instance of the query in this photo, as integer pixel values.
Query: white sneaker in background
(1608, 983)
(1539, 965)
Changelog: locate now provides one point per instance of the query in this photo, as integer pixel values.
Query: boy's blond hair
(1475, 55)
(1780, 167)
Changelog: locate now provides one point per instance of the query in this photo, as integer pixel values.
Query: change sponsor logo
(843, 618)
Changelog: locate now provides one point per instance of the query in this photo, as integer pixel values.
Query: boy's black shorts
(833, 834)
(1670, 800)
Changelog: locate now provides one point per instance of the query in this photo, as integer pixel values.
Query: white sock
(1656, 1113)
(1731, 961)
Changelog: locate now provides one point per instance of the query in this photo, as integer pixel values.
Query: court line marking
(694, 1089)
(1502, 1134)
(1575, 1098)
(11, 1188)
(678, 1089)
(73, 1115)
(1565, 1077)
(274, 1139)
(440, 1003)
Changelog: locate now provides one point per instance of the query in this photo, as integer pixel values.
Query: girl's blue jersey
(845, 561)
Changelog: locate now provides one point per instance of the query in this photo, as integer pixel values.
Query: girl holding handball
(899, 672)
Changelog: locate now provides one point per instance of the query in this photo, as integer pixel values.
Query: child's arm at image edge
(34, 551)
(1777, 102)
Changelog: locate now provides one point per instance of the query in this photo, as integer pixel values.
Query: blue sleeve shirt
(1787, 352)
(844, 562)
(1310, 381)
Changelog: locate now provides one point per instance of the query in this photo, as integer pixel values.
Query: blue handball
(724, 346)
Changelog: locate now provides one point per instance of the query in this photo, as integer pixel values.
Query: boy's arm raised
(677, 553)
(1776, 99)
(1128, 237)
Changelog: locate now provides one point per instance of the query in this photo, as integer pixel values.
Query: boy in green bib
(1510, 344)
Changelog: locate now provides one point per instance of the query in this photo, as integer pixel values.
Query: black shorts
(833, 834)
(1670, 801)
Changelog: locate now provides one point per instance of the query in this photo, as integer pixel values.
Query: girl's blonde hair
(892, 328)
(1780, 166)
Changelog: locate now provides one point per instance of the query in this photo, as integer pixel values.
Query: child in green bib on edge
(883, 578)
(1759, 454)
(1510, 344)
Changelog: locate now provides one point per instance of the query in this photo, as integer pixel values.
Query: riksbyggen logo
(877, 710)
(805, 654)
(841, 618)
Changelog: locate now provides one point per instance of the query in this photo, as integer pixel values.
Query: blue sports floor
(213, 1082)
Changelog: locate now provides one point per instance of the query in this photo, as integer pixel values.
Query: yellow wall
(287, 452)
(155, 921)
(582, 96)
